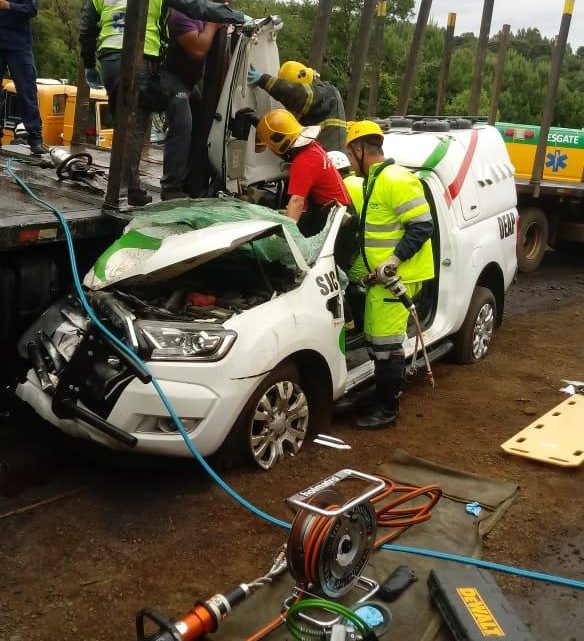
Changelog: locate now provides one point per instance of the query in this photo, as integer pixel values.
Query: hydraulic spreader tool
(329, 545)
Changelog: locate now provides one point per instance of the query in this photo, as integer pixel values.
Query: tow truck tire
(533, 238)
(473, 339)
(273, 423)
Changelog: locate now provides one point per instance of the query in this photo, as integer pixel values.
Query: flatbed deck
(23, 221)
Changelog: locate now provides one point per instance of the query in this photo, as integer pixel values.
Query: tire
(473, 339)
(533, 238)
(273, 423)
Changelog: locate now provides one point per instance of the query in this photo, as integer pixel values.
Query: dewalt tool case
(473, 606)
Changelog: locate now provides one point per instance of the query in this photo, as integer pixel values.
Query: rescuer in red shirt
(313, 181)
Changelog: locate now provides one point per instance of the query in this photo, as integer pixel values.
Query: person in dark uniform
(190, 41)
(311, 100)
(16, 55)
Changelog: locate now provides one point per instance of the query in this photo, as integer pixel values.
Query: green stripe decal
(132, 239)
(438, 154)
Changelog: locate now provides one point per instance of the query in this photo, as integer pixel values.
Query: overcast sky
(545, 15)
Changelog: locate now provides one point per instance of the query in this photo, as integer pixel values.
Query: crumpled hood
(178, 237)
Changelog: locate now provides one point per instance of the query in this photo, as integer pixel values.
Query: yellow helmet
(362, 128)
(293, 71)
(278, 129)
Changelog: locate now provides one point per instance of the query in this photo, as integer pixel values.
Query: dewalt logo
(479, 611)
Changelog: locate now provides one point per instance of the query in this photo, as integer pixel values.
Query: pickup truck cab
(240, 317)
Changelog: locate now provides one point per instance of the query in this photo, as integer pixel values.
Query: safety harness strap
(367, 191)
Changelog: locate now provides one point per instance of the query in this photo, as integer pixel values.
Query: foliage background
(526, 68)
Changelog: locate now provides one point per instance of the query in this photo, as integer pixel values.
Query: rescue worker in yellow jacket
(395, 236)
(311, 100)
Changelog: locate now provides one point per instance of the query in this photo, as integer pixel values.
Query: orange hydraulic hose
(314, 539)
(272, 625)
(390, 515)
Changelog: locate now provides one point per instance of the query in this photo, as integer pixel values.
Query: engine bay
(212, 292)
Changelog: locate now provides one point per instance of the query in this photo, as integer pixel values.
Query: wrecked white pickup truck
(241, 318)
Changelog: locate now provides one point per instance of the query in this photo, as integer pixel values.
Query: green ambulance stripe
(558, 137)
(434, 158)
(132, 239)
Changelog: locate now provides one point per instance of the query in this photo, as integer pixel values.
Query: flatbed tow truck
(34, 265)
(34, 262)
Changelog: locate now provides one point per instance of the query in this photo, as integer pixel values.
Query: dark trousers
(23, 72)
(111, 68)
(177, 143)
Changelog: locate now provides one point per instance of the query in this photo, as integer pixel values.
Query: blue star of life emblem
(557, 160)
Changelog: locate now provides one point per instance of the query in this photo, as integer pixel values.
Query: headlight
(186, 342)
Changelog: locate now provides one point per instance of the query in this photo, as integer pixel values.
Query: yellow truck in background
(556, 215)
(57, 109)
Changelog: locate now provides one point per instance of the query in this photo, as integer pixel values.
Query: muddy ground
(80, 566)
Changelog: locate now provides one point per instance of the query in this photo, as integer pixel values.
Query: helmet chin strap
(359, 160)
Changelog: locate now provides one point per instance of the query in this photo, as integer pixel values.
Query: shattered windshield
(145, 233)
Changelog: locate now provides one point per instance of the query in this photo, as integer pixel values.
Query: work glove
(387, 269)
(253, 77)
(92, 78)
(247, 20)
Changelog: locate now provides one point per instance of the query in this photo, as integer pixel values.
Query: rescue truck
(255, 308)
(556, 216)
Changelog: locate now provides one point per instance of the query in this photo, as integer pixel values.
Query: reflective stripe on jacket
(113, 20)
(317, 104)
(396, 200)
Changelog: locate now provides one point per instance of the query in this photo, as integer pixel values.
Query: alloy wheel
(279, 423)
(483, 331)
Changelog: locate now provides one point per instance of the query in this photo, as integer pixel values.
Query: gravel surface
(107, 542)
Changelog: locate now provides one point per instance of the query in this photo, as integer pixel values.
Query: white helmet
(339, 160)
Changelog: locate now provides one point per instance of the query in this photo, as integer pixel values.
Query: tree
(56, 33)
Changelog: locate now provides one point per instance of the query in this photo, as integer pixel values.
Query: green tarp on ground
(451, 529)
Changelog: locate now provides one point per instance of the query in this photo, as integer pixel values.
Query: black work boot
(388, 385)
(172, 194)
(380, 415)
(138, 197)
(39, 149)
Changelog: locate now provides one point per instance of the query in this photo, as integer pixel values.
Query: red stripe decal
(456, 184)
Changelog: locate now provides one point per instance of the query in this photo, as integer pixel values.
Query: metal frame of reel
(331, 541)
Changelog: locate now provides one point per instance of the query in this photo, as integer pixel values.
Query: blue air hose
(95, 320)
(456, 558)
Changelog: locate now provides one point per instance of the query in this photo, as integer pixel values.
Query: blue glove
(92, 78)
(253, 77)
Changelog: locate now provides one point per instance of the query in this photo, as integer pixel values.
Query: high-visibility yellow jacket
(113, 20)
(396, 200)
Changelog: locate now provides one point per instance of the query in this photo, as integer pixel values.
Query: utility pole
(320, 31)
(81, 106)
(412, 62)
(377, 57)
(127, 98)
(498, 80)
(477, 79)
(360, 47)
(548, 110)
(445, 68)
